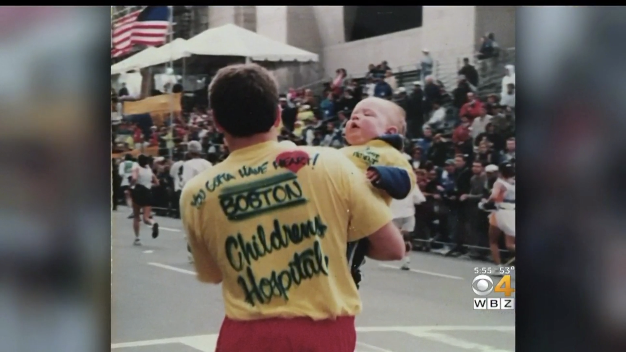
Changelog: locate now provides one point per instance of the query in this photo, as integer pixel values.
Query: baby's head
(374, 117)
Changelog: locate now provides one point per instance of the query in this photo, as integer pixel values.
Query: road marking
(372, 347)
(498, 328)
(168, 229)
(206, 343)
(148, 252)
(456, 342)
(173, 268)
(423, 272)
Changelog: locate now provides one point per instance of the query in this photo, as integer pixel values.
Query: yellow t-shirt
(272, 222)
(378, 153)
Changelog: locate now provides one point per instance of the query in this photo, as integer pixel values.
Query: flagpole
(171, 69)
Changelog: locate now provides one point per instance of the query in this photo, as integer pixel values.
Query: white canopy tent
(231, 40)
(134, 62)
(173, 51)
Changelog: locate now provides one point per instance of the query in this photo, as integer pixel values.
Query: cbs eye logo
(482, 285)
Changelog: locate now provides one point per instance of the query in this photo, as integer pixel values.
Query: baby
(374, 134)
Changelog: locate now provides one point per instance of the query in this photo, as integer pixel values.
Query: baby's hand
(372, 175)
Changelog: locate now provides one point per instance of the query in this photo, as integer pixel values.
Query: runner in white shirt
(192, 168)
(403, 211)
(142, 179)
(125, 172)
(502, 219)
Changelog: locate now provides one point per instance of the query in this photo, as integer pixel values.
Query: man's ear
(392, 130)
(279, 113)
(218, 128)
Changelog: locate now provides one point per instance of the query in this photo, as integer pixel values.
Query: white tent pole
(171, 66)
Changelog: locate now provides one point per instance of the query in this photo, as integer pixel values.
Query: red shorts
(287, 335)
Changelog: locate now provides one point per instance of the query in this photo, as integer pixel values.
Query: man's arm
(206, 267)
(369, 215)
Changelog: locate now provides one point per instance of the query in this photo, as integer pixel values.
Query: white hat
(425, 50)
(401, 90)
(417, 83)
(491, 168)
(194, 147)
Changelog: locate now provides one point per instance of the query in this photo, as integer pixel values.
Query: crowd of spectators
(455, 140)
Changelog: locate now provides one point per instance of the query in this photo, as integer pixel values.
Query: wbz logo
(483, 285)
(494, 303)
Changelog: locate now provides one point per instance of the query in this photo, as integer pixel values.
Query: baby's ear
(392, 130)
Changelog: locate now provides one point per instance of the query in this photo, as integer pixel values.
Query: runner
(125, 172)
(403, 211)
(142, 180)
(192, 167)
(272, 222)
(502, 220)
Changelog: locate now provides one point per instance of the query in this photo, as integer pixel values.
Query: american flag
(148, 27)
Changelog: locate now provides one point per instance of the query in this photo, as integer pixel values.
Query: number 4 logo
(504, 286)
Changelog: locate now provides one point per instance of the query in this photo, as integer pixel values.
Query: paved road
(158, 305)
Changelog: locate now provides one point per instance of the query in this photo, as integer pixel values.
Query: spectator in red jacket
(472, 108)
(462, 132)
(154, 137)
(138, 138)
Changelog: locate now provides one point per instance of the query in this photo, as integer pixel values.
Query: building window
(362, 22)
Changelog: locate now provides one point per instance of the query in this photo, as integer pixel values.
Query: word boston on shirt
(274, 219)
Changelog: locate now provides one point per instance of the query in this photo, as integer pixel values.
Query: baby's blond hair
(395, 115)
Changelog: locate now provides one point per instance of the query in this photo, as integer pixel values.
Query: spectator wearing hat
(415, 111)
(491, 171)
(426, 65)
(382, 89)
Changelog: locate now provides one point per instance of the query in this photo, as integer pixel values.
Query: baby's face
(369, 120)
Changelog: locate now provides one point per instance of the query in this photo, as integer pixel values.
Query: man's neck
(240, 143)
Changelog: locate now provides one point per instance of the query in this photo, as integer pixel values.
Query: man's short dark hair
(244, 99)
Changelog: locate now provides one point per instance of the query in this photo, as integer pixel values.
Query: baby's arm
(393, 180)
(396, 177)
